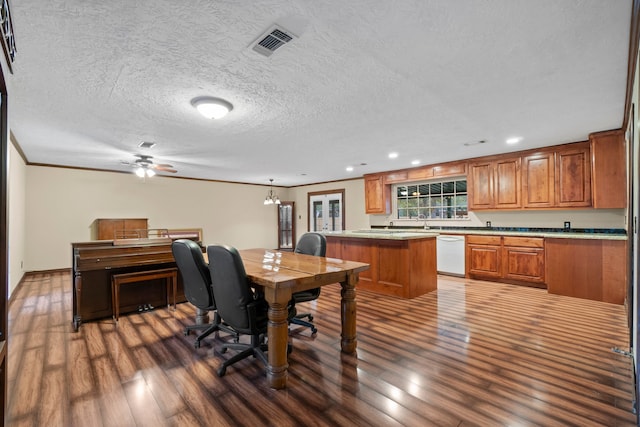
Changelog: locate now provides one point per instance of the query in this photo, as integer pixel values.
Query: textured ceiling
(363, 78)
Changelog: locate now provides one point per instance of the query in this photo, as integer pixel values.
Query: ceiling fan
(145, 166)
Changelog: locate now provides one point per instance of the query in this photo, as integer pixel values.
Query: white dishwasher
(450, 254)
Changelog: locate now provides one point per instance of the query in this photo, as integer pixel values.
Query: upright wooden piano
(95, 262)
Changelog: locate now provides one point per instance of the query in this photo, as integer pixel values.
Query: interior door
(326, 211)
(286, 226)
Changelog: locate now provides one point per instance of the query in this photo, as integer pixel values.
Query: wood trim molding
(634, 37)
(18, 148)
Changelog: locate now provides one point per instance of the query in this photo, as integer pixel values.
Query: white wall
(62, 203)
(354, 207)
(16, 227)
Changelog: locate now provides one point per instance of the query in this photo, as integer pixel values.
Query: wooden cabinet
(483, 256)
(479, 184)
(558, 178)
(112, 228)
(609, 169)
(400, 176)
(419, 174)
(590, 269)
(450, 169)
(494, 184)
(377, 195)
(523, 259)
(538, 180)
(402, 268)
(510, 259)
(573, 176)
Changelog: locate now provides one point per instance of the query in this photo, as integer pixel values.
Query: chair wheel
(186, 332)
(221, 371)
(196, 344)
(223, 350)
(310, 318)
(314, 330)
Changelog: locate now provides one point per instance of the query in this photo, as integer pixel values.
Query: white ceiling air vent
(146, 144)
(268, 42)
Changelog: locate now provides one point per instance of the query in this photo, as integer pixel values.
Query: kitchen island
(402, 263)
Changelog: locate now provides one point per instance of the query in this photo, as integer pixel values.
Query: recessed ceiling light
(393, 155)
(349, 168)
(514, 140)
(415, 162)
(212, 108)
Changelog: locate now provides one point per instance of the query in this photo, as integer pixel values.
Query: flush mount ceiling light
(212, 108)
(271, 198)
(514, 140)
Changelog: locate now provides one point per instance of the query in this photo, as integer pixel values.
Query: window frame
(454, 200)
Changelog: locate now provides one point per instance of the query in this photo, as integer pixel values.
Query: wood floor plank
(54, 412)
(471, 353)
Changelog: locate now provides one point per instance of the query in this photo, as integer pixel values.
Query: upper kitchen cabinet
(538, 182)
(494, 184)
(573, 176)
(449, 169)
(608, 168)
(557, 178)
(377, 194)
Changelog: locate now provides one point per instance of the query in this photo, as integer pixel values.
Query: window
(432, 200)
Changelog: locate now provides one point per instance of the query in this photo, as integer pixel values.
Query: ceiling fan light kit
(145, 171)
(144, 166)
(212, 108)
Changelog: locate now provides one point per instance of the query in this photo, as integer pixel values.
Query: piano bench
(171, 274)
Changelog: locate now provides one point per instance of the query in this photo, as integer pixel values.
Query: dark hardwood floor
(471, 353)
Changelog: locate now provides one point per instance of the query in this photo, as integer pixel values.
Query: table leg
(348, 313)
(278, 336)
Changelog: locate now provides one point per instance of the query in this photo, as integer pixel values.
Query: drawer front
(484, 240)
(525, 242)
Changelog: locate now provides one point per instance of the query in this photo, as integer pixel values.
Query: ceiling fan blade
(162, 165)
(164, 169)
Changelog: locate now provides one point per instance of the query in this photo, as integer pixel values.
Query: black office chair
(309, 244)
(239, 307)
(197, 286)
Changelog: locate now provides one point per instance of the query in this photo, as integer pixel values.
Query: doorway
(326, 210)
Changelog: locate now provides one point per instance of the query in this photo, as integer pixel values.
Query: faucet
(425, 225)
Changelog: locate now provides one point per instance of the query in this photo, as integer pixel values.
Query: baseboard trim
(27, 274)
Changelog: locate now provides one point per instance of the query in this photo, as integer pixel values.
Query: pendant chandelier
(272, 197)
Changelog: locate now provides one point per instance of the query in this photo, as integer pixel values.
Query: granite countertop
(559, 233)
(384, 234)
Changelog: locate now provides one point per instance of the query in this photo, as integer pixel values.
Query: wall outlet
(567, 225)
(488, 224)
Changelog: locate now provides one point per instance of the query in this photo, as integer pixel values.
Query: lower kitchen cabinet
(591, 269)
(523, 259)
(510, 259)
(483, 256)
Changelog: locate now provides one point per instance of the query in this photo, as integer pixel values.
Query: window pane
(432, 200)
(448, 187)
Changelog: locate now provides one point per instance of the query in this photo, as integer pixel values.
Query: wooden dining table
(281, 274)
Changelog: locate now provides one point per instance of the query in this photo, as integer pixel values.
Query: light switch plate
(567, 225)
